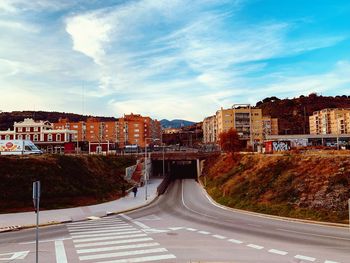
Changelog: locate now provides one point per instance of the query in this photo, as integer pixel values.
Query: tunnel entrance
(179, 169)
(183, 170)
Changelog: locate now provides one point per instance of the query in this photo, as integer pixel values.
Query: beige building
(330, 121)
(210, 130)
(249, 123)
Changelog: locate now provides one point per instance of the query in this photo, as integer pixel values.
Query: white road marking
(155, 231)
(45, 241)
(330, 261)
(255, 246)
(111, 233)
(13, 255)
(140, 224)
(204, 232)
(218, 236)
(95, 227)
(191, 229)
(99, 225)
(305, 258)
(123, 254)
(142, 259)
(103, 249)
(278, 252)
(135, 221)
(98, 222)
(149, 218)
(61, 256)
(235, 241)
(183, 202)
(126, 217)
(316, 235)
(175, 228)
(98, 230)
(107, 238)
(115, 242)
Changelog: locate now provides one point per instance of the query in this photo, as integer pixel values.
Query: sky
(173, 59)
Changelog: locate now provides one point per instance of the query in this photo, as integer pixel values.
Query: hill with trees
(8, 118)
(293, 114)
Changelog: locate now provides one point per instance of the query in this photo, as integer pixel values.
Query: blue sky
(169, 59)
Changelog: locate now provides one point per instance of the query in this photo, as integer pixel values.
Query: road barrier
(164, 185)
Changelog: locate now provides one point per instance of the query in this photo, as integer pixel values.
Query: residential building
(80, 127)
(42, 133)
(330, 121)
(134, 129)
(210, 135)
(248, 121)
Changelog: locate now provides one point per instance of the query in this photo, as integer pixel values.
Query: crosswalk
(113, 240)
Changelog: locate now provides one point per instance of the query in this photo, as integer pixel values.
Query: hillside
(175, 123)
(8, 118)
(293, 114)
(65, 180)
(307, 186)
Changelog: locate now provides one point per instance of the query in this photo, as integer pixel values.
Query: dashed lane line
(255, 246)
(219, 236)
(235, 241)
(278, 252)
(191, 229)
(305, 258)
(204, 232)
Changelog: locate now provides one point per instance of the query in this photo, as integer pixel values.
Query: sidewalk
(128, 202)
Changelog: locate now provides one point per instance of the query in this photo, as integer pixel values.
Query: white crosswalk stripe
(114, 240)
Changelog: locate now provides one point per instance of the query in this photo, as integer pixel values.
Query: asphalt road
(181, 226)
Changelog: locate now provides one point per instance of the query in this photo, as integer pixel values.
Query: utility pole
(36, 201)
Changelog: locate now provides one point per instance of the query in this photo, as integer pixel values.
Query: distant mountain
(293, 114)
(175, 123)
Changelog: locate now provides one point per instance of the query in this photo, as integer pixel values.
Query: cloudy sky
(169, 59)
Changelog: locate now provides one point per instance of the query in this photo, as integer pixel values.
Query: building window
(19, 137)
(36, 137)
(92, 126)
(27, 137)
(7, 137)
(49, 137)
(75, 126)
(36, 129)
(136, 130)
(20, 129)
(136, 125)
(58, 137)
(137, 135)
(91, 131)
(28, 129)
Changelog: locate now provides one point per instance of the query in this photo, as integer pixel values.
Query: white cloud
(89, 34)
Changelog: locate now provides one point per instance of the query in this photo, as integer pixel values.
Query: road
(182, 226)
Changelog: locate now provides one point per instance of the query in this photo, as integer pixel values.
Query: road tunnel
(175, 169)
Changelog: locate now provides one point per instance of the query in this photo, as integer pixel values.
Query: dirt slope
(309, 186)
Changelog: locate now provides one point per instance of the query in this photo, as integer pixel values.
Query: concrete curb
(281, 218)
(17, 228)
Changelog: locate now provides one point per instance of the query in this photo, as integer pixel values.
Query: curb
(280, 218)
(52, 223)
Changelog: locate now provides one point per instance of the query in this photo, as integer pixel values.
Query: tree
(229, 141)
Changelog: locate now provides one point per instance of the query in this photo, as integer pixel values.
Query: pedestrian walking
(134, 190)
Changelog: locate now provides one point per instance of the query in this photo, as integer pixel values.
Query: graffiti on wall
(281, 146)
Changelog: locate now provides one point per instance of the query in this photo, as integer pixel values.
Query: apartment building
(210, 130)
(248, 121)
(330, 121)
(131, 129)
(134, 129)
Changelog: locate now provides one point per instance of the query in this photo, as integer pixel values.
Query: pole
(349, 212)
(37, 233)
(163, 163)
(145, 175)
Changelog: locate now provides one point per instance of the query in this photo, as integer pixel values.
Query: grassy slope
(65, 180)
(304, 186)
